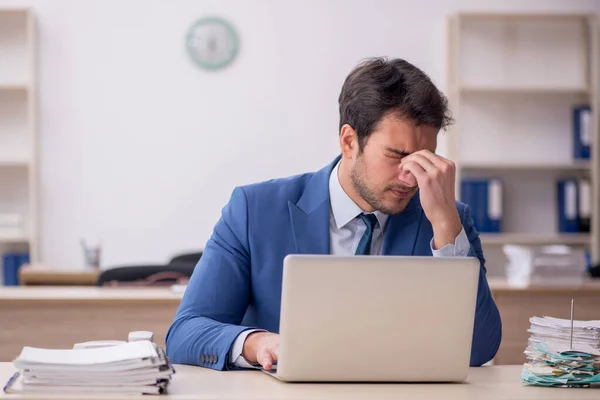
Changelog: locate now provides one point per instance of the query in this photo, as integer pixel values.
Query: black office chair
(186, 258)
(146, 275)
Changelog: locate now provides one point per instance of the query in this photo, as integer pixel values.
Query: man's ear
(348, 141)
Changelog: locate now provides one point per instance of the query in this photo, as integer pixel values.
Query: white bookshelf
(521, 90)
(18, 139)
(533, 166)
(14, 239)
(581, 239)
(513, 80)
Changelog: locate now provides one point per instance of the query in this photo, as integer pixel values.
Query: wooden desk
(517, 305)
(44, 275)
(58, 317)
(488, 383)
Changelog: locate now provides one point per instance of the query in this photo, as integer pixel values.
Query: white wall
(142, 149)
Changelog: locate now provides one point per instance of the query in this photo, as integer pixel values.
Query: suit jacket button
(202, 358)
(216, 358)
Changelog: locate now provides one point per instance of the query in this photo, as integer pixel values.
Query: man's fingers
(272, 359)
(423, 161)
(273, 352)
(432, 158)
(440, 162)
(268, 355)
(264, 358)
(416, 169)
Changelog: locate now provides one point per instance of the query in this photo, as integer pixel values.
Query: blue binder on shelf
(481, 200)
(494, 205)
(567, 205)
(484, 197)
(584, 205)
(11, 263)
(470, 196)
(582, 132)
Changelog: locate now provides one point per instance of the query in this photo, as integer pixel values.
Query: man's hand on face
(261, 347)
(436, 179)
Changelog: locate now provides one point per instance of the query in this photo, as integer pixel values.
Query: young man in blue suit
(388, 193)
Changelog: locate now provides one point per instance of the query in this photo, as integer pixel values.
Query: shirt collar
(344, 209)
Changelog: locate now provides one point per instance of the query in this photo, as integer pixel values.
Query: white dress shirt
(345, 231)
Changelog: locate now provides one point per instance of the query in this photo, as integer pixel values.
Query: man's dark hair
(378, 86)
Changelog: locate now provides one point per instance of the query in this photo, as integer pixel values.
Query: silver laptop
(376, 318)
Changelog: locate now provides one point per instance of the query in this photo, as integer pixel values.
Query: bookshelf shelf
(517, 90)
(14, 86)
(14, 164)
(534, 239)
(501, 16)
(516, 83)
(10, 239)
(575, 166)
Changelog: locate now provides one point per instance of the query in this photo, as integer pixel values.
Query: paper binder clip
(137, 336)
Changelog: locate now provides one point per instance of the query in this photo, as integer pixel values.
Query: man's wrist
(446, 230)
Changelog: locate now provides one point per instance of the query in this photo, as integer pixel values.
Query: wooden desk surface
(497, 285)
(501, 285)
(488, 383)
(88, 293)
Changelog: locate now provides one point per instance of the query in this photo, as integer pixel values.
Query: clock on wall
(212, 43)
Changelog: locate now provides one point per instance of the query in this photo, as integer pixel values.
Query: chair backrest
(146, 275)
(595, 271)
(188, 258)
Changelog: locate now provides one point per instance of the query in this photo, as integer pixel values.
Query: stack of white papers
(129, 368)
(552, 361)
(559, 331)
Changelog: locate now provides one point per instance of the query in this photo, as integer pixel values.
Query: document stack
(563, 353)
(545, 265)
(130, 368)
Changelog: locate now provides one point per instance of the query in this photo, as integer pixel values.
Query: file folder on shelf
(567, 206)
(484, 197)
(11, 263)
(584, 211)
(571, 197)
(494, 205)
(582, 132)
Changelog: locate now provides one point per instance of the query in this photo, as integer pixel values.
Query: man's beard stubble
(359, 178)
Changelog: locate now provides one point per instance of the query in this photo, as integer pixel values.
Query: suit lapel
(403, 229)
(310, 215)
(311, 231)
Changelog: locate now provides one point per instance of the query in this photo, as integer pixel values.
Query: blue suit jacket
(237, 283)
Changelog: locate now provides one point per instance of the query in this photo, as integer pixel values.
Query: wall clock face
(212, 43)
